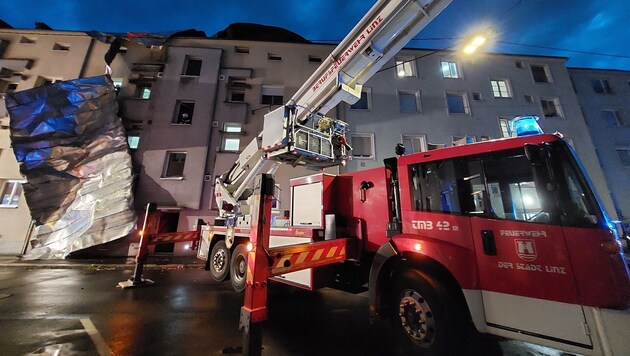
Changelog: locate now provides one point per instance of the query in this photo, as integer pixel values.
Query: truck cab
(511, 231)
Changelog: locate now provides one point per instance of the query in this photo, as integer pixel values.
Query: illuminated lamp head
(525, 126)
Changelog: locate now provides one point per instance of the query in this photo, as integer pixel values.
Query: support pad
(130, 283)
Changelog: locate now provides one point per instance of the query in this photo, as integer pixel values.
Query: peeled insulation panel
(72, 150)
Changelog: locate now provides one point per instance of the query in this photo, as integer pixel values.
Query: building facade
(604, 97)
(192, 104)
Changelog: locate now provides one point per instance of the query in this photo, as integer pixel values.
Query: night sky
(592, 33)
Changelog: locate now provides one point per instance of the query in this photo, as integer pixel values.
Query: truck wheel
(425, 318)
(219, 261)
(238, 268)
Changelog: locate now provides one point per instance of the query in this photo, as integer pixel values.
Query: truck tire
(219, 261)
(238, 268)
(426, 319)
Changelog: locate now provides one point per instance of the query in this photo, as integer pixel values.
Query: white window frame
(417, 98)
(422, 143)
(547, 73)
(557, 107)
(272, 91)
(16, 189)
(623, 149)
(464, 97)
(447, 67)
(167, 161)
(499, 92)
(143, 91)
(369, 136)
(504, 127)
(227, 140)
(368, 93)
(405, 67)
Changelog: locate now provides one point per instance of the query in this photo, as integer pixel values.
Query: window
(601, 86)
(28, 40)
(174, 167)
(457, 103)
(365, 102)
(504, 124)
(274, 57)
(192, 67)
(434, 187)
(42, 81)
(624, 156)
(405, 67)
(540, 73)
(314, 59)
(414, 143)
(272, 95)
(450, 70)
(551, 108)
(7, 87)
(143, 91)
(612, 117)
(232, 127)
(230, 144)
(236, 89)
(528, 98)
(476, 96)
(518, 64)
(241, 49)
(117, 83)
(133, 142)
(462, 140)
(501, 89)
(11, 192)
(409, 101)
(184, 112)
(64, 47)
(362, 145)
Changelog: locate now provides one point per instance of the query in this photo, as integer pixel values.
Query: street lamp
(475, 44)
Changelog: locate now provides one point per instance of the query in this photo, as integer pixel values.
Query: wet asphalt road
(79, 311)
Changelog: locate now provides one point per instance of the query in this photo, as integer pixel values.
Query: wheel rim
(416, 318)
(240, 268)
(219, 260)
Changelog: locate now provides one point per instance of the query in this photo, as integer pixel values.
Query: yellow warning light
(249, 247)
(418, 247)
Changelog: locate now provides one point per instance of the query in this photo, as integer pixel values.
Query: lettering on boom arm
(346, 54)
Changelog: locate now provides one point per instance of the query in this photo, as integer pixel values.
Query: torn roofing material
(72, 149)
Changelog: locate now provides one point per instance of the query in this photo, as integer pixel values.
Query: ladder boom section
(382, 32)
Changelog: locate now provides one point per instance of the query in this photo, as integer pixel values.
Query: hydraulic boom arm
(286, 135)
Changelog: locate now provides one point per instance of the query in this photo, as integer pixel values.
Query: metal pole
(143, 252)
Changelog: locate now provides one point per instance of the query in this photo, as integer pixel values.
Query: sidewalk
(104, 262)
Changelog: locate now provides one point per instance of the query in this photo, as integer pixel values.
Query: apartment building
(192, 104)
(604, 98)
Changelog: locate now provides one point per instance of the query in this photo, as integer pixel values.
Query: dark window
(540, 74)
(363, 103)
(192, 67)
(314, 59)
(601, 86)
(240, 49)
(274, 57)
(174, 167)
(457, 103)
(434, 187)
(184, 113)
(272, 95)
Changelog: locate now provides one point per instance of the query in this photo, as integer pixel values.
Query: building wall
(608, 136)
(385, 121)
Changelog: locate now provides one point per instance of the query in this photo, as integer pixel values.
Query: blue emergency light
(525, 126)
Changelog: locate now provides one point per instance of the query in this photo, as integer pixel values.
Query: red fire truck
(504, 237)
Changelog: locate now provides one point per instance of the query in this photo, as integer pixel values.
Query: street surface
(76, 309)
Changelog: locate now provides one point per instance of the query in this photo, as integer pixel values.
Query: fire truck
(504, 237)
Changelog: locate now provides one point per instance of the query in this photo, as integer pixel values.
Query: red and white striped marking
(173, 237)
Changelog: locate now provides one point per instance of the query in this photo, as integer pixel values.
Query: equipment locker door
(525, 272)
